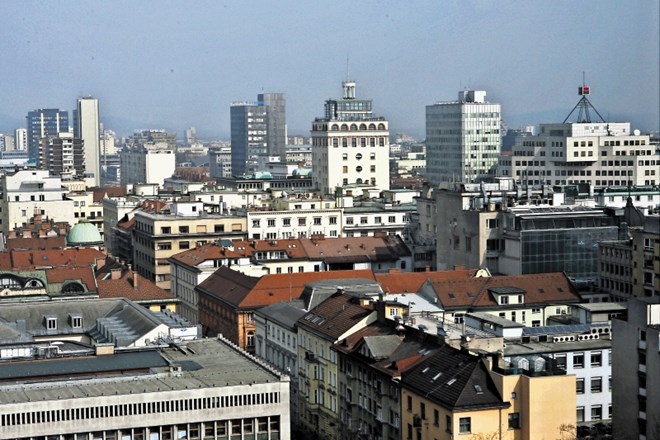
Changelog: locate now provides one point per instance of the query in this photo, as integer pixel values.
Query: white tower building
(462, 139)
(87, 128)
(20, 139)
(350, 146)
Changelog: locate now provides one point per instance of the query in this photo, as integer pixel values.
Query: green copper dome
(84, 234)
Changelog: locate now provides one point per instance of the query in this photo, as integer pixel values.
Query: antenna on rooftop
(584, 106)
(348, 65)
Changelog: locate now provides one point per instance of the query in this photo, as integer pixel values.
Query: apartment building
(26, 193)
(318, 330)
(158, 236)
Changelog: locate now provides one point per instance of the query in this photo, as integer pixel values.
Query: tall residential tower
(350, 146)
(462, 139)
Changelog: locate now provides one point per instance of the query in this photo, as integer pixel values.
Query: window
(514, 420)
(597, 412)
(184, 245)
(219, 228)
(333, 220)
(271, 222)
(422, 410)
(409, 403)
(596, 359)
(596, 384)
(578, 360)
(579, 385)
(391, 219)
(448, 424)
(561, 361)
(317, 220)
(493, 223)
(51, 323)
(286, 221)
(255, 223)
(166, 230)
(436, 417)
(184, 229)
(302, 221)
(164, 246)
(465, 425)
(504, 300)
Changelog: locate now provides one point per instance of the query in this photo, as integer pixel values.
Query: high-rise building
(350, 146)
(86, 127)
(42, 123)
(20, 139)
(149, 157)
(275, 104)
(462, 139)
(62, 155)
(257, 129)
(6, 142)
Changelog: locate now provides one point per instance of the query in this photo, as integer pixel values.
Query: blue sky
(175, 64)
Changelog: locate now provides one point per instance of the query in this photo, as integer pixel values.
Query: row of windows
(132, 409)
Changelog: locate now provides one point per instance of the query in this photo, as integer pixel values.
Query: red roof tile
(126, 287)
(411, 282)
(30, 259)
(475, 293)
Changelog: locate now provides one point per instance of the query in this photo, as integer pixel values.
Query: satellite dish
(636, 132)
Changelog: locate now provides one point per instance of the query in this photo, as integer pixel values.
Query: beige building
(350, 145)
(158, 236)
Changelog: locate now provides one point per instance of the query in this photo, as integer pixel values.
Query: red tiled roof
(30, 259)
(47, 242)
(101, 192)
(388, 248)
(63, 274)
(242, 291)
(411, 282)
(287, 286)
(474, 292)
(125, 287)
(241, 249)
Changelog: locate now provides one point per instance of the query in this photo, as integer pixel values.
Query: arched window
(363, 126)
(381, 126)
(353, 127)
(344, 127)
(73, 287)
(372, 126)
(34, 283)
(334, 127)
(250, 339)
(9, 281)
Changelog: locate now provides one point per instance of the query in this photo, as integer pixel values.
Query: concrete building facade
(87, 127)
(42, 123)
(462, 139)
(350, 145)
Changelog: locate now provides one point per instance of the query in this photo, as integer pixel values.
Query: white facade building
(29, 192)
(462, 139)
(146, 164)
(20, 139)
(599, 153)
(88, 129)
(350, 145)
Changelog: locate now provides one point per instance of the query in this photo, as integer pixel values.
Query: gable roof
(200, 254)
(545, 288)
(16, 259)
(134, 287)
(411, 282)
(285, 287)
(335, 316)
(356, 249)
(455, 380)
(228, 285)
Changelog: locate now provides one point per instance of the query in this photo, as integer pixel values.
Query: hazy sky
(174, 64)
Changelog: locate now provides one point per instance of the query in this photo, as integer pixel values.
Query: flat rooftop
(204, 363)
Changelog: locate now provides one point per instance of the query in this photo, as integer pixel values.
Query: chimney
(136, 278)
(115, 274)
(380, 309)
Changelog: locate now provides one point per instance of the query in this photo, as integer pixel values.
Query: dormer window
(51, 322)
(75, 320)
(504, 299)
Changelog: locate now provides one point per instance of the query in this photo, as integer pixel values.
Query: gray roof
(284, 313)
(205, 363)
(603, 307)
(502, 322)
(382, 346)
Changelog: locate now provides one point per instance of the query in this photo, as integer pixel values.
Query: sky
(174, 64)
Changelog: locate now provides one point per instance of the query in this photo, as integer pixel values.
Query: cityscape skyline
(184, 66)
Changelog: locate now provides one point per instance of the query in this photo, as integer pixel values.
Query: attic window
(559, 289)
(75, 320)
(451, 381)
(478, 389)
(426, 369)
(451, 295)
(51, 322)
(437, 376)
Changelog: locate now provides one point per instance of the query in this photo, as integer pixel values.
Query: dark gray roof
(284, 313)
(42, 370)
(455, 380)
